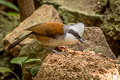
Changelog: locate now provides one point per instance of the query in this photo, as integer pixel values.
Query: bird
(55, 34)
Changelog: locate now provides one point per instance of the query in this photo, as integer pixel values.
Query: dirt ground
(77, 65)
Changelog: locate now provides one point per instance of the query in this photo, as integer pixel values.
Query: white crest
(78, 27)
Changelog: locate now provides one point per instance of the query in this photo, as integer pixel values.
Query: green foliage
(35, 70)
(4, 70)
(12, 14)
(21, 61)
(7, 70)
(9, 4)
(31, 60)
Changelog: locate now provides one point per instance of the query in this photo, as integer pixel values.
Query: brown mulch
(77, 65)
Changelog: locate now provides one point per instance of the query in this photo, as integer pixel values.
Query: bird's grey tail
(12, 45)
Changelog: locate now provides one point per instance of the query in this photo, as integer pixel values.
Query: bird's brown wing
(44, 32)
(48, 29)
(48, 41)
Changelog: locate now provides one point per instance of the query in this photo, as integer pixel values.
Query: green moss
(67, 16)
(73, 16)
(111, 27)
(7, 24)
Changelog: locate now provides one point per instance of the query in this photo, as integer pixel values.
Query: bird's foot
(56, 52)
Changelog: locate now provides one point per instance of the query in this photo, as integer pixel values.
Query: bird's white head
(74, 31)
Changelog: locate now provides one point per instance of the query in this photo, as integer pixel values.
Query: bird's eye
(71, 31)
(74, 33)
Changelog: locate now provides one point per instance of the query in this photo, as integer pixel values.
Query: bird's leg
(55, 51)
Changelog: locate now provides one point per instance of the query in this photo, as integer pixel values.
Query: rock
(7, 24)
(82, 5)
(94, 37)
(111, 29)
(95, 40)
(78, 11)
(33, 49)
(46, 13)
(77, 65)
(98, 49)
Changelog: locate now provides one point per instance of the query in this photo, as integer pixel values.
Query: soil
(77, 65)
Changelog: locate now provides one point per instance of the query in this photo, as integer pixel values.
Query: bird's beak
(76, 35)
(81, 40)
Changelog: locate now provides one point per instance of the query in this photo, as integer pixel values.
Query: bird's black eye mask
(74, 33)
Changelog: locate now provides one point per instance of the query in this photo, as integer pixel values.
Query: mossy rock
(7, 24)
